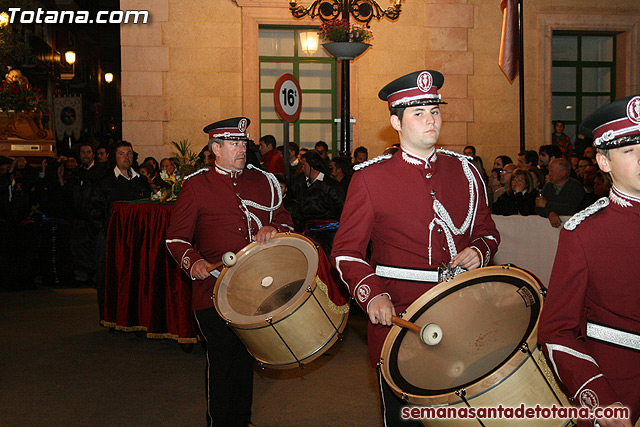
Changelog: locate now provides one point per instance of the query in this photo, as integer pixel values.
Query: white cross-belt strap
(613, 336)
(428, 276)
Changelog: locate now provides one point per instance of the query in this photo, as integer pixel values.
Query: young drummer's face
(420, 128)
(624, 166)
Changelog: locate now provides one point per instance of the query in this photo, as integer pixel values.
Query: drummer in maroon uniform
(219, 210)
(421, 208)
(590, 324)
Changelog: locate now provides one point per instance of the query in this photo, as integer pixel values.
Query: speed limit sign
(287, 97)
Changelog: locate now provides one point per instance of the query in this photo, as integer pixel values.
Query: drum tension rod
(462, 393)
(269, 320)
(525, 349)
(340, 336)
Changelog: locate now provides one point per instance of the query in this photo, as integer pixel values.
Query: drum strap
(611, 335)
(429, 275)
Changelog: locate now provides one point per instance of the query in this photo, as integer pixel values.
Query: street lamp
(68, 70)
(70, 57)
(363, 11)
(309, 42)
(108, 77)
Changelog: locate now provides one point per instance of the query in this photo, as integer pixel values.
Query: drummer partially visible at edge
(219, 210)
(417, 209)
(594, 290)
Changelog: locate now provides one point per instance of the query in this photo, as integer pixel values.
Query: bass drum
(487, 355)
(275, 302)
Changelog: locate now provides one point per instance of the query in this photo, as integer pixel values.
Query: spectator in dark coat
(519, 199)
(561, 195)
(122, 183)
(321, 199)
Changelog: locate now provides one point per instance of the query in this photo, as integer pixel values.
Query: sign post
(287, 99)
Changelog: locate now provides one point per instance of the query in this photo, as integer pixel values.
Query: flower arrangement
(18, 96)
(340, 30)
(187, 162)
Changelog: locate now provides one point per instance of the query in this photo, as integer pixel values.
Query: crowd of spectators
(53, 217)
(557, 180)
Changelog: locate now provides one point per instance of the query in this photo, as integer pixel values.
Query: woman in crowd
(519, 199)
(477, 162)
(168, 166)
(494, 187)
(501, 161)
(154, 163)
(537, 175)
(148, 171)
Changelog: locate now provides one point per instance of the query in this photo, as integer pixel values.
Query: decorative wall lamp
(309, 42)
(68, 68)
(362, 11)
(70, 57)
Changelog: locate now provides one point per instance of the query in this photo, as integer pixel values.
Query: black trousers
(229, 373)
(392, 407)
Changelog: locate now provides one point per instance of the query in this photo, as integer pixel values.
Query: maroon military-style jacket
(596, 281)
(400, 204)
(211, 217)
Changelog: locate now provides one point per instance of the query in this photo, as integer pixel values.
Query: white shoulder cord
(273, 184)
(443, 219)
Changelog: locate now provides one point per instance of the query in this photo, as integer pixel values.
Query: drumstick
(228, 259)
(430, 334)
(214, 266)
(405, 324)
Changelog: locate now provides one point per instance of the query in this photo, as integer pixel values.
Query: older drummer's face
(231, 154)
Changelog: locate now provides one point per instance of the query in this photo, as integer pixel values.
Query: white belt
(388, 272)
(613, 336)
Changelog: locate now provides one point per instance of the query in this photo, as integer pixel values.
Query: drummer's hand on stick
(380, 310)
(265, 234)
(468, 258)
(199, 269)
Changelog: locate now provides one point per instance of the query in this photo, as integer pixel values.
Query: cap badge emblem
(633, 109)
(242, 125)
(425, 81)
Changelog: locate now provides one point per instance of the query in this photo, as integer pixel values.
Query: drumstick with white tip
(430, 334)
(228, 260)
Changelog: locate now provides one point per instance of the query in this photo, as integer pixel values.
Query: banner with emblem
(67, 113)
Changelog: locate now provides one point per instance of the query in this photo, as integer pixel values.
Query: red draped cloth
(145, 289)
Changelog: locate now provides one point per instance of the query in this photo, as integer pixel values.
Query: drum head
(267, 280)
(485, 316)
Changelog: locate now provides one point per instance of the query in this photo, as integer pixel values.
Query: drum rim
(429, 298)
(287, 309)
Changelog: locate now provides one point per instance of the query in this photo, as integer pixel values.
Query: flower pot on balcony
(346, 50)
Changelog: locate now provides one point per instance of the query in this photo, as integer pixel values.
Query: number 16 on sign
(287, 100)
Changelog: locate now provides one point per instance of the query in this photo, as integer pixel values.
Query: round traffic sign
(287, 97)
